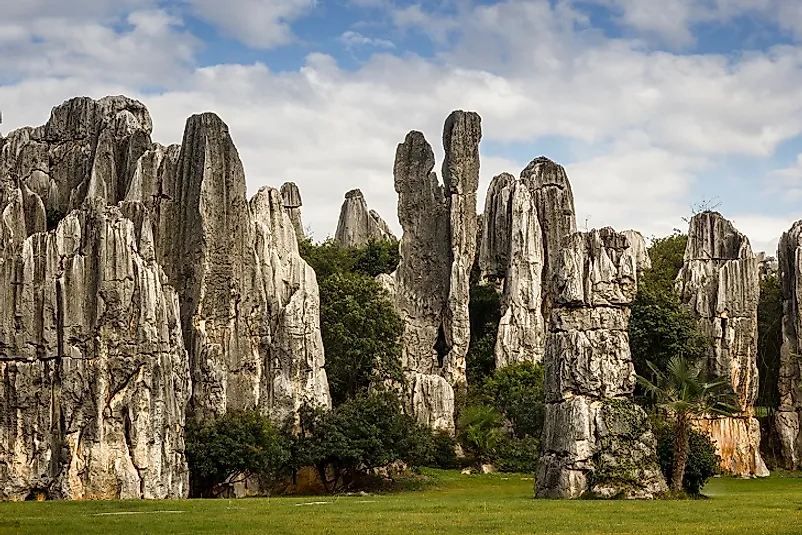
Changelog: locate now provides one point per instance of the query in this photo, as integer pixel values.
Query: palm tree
(683, 392)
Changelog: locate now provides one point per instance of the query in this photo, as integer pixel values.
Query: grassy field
(453, 504)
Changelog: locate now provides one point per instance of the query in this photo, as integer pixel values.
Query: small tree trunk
(681, 451)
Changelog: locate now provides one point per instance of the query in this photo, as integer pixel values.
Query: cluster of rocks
(140, 288)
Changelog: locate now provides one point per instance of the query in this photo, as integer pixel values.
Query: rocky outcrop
(719, 282)
(162, 293)
(524, 223)
(291, 196)
(595, 438)
(789, 416)
(639, 249)
(358, 225)
(94, 377)
(430, 286)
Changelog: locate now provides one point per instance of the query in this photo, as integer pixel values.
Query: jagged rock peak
(494, 250)
(357, 225)
(437, 250)
(589, 378)
(641, 251)
(83, 117)
(291, 196)
(788, 421)
(720, 282)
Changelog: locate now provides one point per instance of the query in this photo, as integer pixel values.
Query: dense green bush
(441, 451)
(516, 391)
(703, 462)
(329, 257)
(345, 444)
(239, 443)
(517, 455)
(480, 431)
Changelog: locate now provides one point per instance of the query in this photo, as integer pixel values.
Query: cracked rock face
(94, 377)
(431, 285)
(163, 293)
(719, 281)
(595, 439)
(524, 223)
(789, 417)
(291, 197)
(358, 225)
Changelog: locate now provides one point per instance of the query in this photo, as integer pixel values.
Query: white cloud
(258, 23)
(651, 123)
(352, 39)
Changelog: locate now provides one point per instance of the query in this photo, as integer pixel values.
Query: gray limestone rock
(437, 249)
(163, 290)
(494, 250)
(720, 283)
(641, 251)
(291, 196)
(94, 377)
(358, 225)
(595, 438)
(787, 422)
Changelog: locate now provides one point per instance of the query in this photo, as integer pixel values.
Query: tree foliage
(683, 392)
(363, 433)
(239, 443)
(769, 329)
(517, 393)
(703, 461)
(361, 332)
(660, 327)
(329, 257)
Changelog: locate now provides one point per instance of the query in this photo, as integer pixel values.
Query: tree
(660, 327)
(769, 340)
(480, 429)
(361, 332)
(516, 391)
(682, 392)
(238, 443)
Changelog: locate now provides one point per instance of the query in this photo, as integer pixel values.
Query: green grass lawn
(498, 503)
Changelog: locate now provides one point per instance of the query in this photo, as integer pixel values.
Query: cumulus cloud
(640, 127)
(352, 39)
(259, 23)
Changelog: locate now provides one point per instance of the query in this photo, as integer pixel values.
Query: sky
(655, 108)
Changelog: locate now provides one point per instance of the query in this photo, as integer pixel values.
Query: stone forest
(144, 293)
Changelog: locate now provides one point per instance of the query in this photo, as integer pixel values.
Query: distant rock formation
(788, 421)
(430, 286)
(358, 225)
(148, 299)
(291, 196)
(719, 282)
(595, 438)
(524, 223)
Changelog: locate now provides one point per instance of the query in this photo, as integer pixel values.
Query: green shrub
(345, 444)
(703, 462)
(517, 455)
(237, 443)
(480, 431)
(517, 393)
(442, 451)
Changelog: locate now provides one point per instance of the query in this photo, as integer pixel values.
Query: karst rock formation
(595, 438)
(357, 225)
(719, 281)
(430, 287)
(788, 420)
(291, 197)
(524, 223)
(140, 288)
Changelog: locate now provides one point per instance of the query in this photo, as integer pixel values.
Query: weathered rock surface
(524, 223)
(291, 196)
(94, 377)
(719, 282)
(521, 330)
(789, 417)
(358, 225)
(595, 438)
(639, 248)
(164, 292)
(431, 285)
